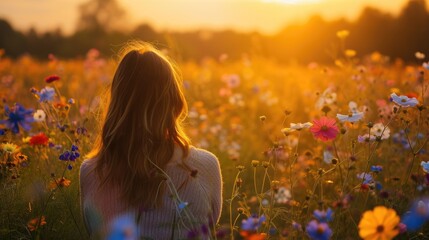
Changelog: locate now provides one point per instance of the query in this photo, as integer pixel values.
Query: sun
(292, 1)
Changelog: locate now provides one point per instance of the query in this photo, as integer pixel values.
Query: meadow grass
(241, 111)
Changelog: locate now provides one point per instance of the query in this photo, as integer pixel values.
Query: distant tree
(10, 40)
(101, 15)
(373, 31)
(412, 29)
(146, 32)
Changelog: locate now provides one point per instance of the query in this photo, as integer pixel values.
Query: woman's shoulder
(87, 166)
(201, 153)
(202, 158)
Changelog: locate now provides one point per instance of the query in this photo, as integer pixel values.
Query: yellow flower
(376, 57)
(338, 63)
(26, 139)
(343, 34)
(395, 90)
(381, 223)
(9, 147)
(350, 53)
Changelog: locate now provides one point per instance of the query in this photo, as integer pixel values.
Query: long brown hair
(141, 126)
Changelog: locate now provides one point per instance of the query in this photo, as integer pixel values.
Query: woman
(142, 165)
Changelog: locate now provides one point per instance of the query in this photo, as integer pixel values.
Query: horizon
(264, 16)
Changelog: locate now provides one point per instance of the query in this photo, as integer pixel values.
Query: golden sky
(267, 16)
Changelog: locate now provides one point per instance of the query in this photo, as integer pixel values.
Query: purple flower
(296, 226)
(71, 155)
(193, 234)
(252, 223)
(366, 138)
(324, 216)
(18, 116)
(46, 94)
(65, 156)
(318, 231)
(366, 177)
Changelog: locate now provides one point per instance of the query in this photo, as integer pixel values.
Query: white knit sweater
(202, 194)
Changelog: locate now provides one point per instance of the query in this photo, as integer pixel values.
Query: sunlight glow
(292, 1)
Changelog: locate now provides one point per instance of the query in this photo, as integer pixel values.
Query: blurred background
(299, 31)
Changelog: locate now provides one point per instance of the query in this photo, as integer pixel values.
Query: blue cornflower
(123, 228)
(46, 94)
(324, 216)
(18, 116)
(376, 168)
(366, 177)
(318, 231)
(182, 205)
(417, 216)
(378, 186)
(252, 223)
(425, 166)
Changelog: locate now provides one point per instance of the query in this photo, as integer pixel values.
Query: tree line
(374, 30)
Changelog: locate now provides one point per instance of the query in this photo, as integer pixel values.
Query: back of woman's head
(142, 124)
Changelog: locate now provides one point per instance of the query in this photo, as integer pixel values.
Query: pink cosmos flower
(324, 129)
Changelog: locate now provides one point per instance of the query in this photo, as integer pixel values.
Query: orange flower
(381, 223)
(19, 157)
(35, 223)
(248, 235)
(60, 182)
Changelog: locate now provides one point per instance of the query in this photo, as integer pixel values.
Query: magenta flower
(324, 129)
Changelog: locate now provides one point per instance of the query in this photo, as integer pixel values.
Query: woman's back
(191, 200)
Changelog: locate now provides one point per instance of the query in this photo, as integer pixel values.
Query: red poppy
(52, 78)
(39, 139)
(412, 95)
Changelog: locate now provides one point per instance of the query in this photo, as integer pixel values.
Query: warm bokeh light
(268, 16)
(292, 1)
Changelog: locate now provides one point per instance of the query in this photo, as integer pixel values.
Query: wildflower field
(307, 151)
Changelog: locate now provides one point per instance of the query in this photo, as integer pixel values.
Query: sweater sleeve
(82, 175)
(214, 181)
(217, 190)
